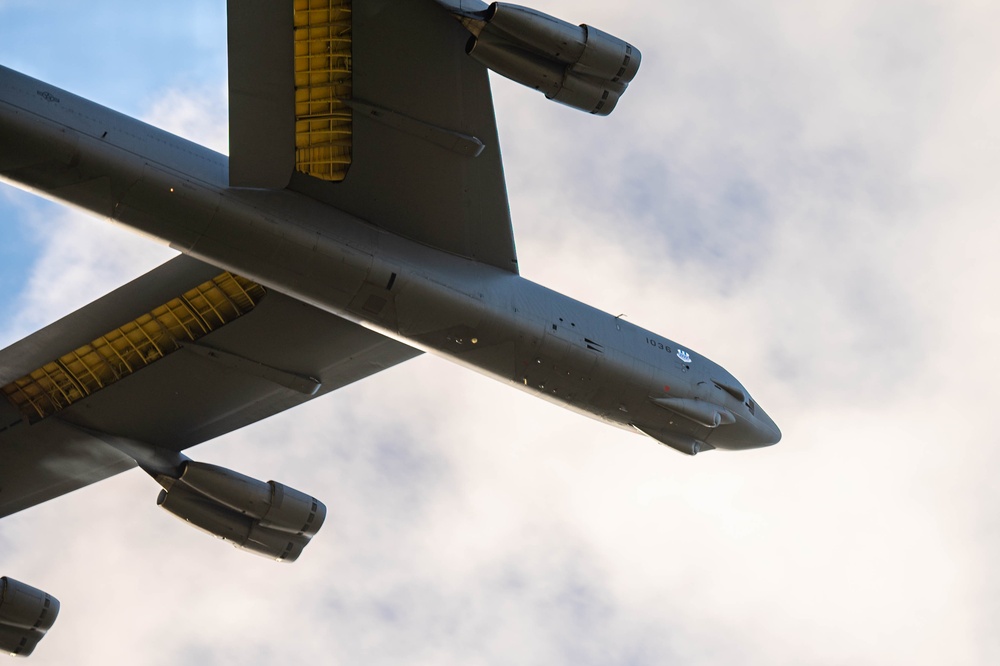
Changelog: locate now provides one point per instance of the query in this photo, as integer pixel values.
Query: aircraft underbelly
(475, 314)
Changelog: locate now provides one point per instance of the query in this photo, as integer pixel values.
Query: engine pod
(579, 66)
(268, 519)
(26, 613)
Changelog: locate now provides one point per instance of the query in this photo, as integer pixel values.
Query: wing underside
(375, 108)
(167, 360)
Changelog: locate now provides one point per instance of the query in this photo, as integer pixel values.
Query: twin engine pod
(579, 66)
(26, 613)
(269, 519)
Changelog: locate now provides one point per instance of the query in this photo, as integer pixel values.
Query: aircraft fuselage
(495, 322)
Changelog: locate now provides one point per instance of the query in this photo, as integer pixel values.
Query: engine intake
(269, 519)
(26, 613)
(579, 66)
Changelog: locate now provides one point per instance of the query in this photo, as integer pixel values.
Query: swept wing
(165, 362)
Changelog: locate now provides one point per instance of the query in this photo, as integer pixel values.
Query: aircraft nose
(767, 433)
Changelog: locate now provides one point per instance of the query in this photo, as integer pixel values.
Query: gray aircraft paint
(487, 319)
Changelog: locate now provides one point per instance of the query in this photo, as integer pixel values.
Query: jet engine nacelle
(269, 519)
(26, 613)
(579, 66)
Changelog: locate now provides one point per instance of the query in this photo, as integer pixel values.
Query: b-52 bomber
(360, 220)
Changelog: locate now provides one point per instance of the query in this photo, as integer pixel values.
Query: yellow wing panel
(323, 122)
(132, 346)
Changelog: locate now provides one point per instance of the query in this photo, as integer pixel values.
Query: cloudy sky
(805, 192)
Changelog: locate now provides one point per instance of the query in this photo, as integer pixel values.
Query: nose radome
(767, 428)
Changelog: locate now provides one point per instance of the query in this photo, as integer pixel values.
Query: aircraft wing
(178, 356)
(375, 108)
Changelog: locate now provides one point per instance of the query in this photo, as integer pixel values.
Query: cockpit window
(751, 405)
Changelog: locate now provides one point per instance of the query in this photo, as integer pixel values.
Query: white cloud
(470, 523)
(196, 115)
(83, 259)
